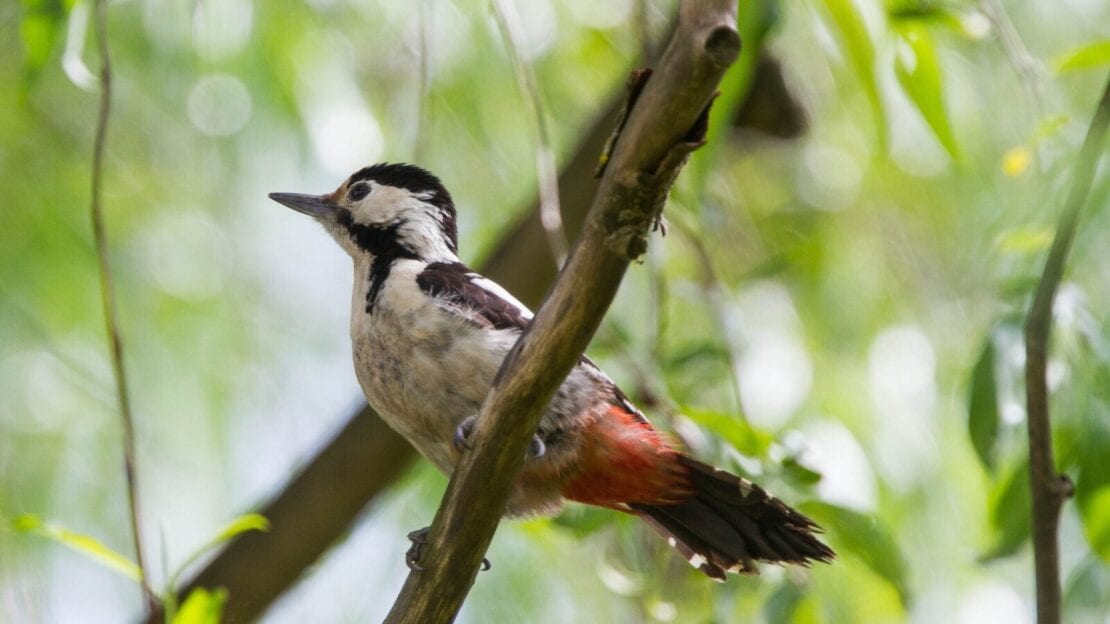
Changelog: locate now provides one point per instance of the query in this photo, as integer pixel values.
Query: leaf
(1093, 482)
(86, 545)
(1010, 513)
(745, 438)
(982, 407)
(202, 607)
(1088, 588)
(861, 53)
(863, 536)
(40, 30)
(1094, 54)
(918, 70)
(243, 524)
(1025, 239)
(799, 474)
(781, 605)
(581, 520)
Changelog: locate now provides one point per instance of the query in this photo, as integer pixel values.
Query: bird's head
(387, 210)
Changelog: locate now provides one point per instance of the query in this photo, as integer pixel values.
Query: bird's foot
(536, 447)
(418, 538)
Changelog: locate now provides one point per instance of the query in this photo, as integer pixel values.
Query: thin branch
(1025, 65)
(667, 122)
(423, 115)
(108, 299)
(1049, 488)
(547, 175)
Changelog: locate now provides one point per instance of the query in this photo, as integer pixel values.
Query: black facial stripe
(383, 243)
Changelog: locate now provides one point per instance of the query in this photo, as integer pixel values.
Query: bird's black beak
(318, 206)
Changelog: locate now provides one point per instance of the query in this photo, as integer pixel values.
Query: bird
(428, 337)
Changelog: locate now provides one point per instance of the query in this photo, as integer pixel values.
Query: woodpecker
(429, 335)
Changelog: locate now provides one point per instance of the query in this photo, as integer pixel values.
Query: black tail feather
(729, 523)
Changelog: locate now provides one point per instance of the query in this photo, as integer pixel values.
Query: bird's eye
(358, 191)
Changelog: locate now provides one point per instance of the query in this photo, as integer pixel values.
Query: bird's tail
(729, 523)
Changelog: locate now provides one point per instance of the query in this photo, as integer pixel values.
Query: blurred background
(835, 311)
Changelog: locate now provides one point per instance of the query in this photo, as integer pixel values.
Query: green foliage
(201, 607)
(1087, 56)
(919, 71)
(860, 49)
(864, 536)
(982, 408)
(86, 545)
(1009, 512)
(40, 29)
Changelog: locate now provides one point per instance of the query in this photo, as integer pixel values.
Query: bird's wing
(479, 300)
(485, 303)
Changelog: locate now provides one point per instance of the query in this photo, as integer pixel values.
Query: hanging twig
(107, 295)
(547, 174)
(1049, 488)
(667, 122)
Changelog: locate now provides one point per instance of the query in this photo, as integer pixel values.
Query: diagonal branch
(1049, 488)
(108, 297)
(667, 122)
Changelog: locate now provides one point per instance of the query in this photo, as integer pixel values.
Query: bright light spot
(346, 139)
(1016, 160)
(221, 29)
(618, 581)
(901, 369)
(186, 254)
(975, 25)
(775, 377)
(345, 134)
(601, 15)
(901, 364)
(847, 478)
(219, 105)
(993, 602)
(830, 177)
(664, 611)
(538, 26)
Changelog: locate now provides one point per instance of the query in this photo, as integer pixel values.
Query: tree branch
(108, 297)
(667, 122)
(1049, 488)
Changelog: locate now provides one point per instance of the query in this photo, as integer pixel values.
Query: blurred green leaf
(857, 43)
(982, 408)
(781, 605)
(86, 545)
(749, 440)
(1009, 513)
(918, 70)
(581, 520)
(1025, 239)
(863, 536)
(1088, 589)
(202, 607)
(1093, 482)
(242, 524)
(40, 29)
(799, 474)
(1094, 54)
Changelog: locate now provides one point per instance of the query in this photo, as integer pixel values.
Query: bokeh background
(835, 311)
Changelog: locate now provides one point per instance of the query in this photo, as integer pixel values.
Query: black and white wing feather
(481, 301)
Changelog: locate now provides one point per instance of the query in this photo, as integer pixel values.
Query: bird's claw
(536, 447)
(418, 538)
(462, 434)
(412, 555)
